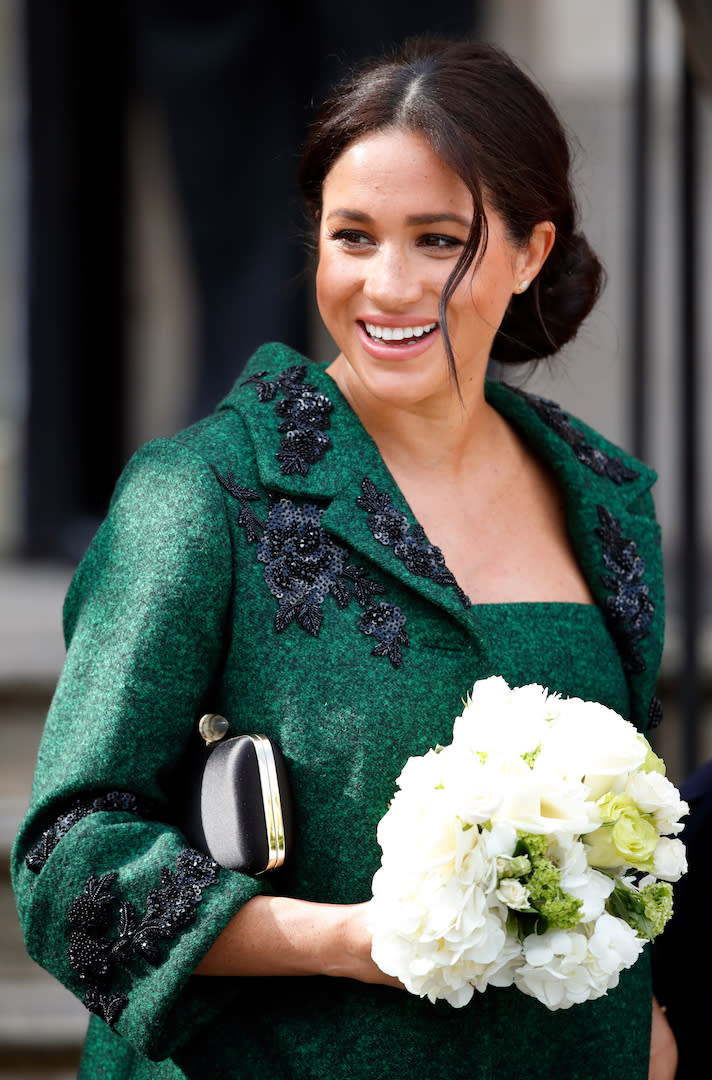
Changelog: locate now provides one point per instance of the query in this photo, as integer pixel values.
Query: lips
(396, 342)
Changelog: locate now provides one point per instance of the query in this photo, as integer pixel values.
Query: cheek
(323, 287)
(487, 295)
(334, 282)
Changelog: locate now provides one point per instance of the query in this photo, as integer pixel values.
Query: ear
(533, 254)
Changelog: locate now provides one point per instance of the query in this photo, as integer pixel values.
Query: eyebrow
(413, 219)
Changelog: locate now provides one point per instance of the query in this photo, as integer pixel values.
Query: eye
(351, 239)
(440, 242)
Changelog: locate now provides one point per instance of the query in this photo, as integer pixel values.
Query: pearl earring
(523, 286)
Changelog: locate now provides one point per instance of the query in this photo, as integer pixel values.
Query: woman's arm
(112, 899)
(276, 935)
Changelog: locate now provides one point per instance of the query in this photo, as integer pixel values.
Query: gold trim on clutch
(274, 820)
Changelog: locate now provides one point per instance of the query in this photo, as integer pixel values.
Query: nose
(392, 282)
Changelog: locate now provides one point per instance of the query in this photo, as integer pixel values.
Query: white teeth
(398, 333)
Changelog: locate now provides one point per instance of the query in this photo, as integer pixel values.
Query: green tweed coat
(264, 565)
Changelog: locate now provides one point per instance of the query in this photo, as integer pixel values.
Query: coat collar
(335, 479)
(613, 531)
(606, 508)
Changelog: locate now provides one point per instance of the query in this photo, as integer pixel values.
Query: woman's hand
(354, 958)
(276, 935)
(663, 1048)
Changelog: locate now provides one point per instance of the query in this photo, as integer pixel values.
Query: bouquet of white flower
(537, 849)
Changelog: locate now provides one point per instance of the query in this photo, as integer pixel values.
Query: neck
(441, 435)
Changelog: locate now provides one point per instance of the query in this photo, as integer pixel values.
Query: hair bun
(542, 319)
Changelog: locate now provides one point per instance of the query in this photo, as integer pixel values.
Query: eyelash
(449, 241)
(350, 239)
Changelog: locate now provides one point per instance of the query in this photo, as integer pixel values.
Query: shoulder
(175, 476)
(167, 530)
(221, 439)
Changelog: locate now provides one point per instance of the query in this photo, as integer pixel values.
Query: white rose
(670, 859)
(512, 893)
(500, 719)
(666, 821)
(655, 794)
(539, 804)
(589, 740)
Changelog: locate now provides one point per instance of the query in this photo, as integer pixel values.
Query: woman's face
(394, 221)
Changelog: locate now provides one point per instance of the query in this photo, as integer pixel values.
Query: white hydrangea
(565, 968)
(589, 886)
(439, 927)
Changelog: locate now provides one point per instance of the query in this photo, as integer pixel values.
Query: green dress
(264, 565)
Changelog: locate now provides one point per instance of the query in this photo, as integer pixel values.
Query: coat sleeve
(112, 899)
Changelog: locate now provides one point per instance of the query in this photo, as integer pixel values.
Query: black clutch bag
(239, 809)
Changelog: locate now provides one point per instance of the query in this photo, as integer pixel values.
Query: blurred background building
(151, 238)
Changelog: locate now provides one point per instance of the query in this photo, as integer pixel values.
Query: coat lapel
(310, 447)
(613, 530)
(336, 479)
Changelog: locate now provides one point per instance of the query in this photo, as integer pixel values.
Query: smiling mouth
(398, 335)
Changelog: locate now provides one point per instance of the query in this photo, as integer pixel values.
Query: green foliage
(554, 908)
(647, 910)
(531, 756)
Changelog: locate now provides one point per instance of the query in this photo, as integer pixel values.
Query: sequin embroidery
(304, 565)
(386, 623)
(40, 852)
(94, 955)
(601, 463)
(629, 609)
(392, 529)
(304, 417)
(655, 713)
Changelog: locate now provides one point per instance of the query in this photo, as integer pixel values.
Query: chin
(400, 384)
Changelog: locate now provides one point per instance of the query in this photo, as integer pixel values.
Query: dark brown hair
(499, 133)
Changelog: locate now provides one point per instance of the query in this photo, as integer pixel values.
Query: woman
(333, 559)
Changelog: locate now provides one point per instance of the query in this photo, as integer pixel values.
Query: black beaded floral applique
(386, 623)
(40, 852)
(655, 713)
(304, 417)
(601, 463)
(304, 565)
(392, 529)
(93, 954)
(629, 609)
